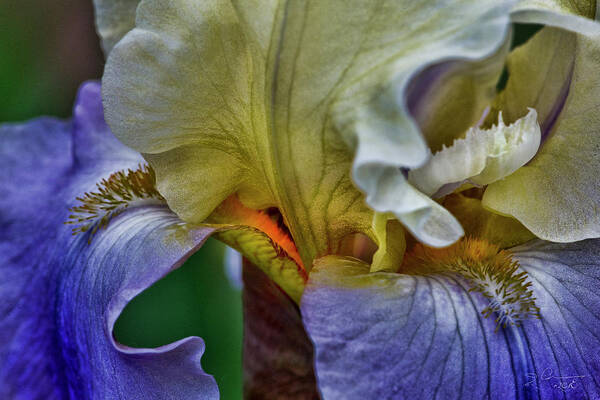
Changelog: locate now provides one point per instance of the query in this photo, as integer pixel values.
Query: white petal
(482, 157)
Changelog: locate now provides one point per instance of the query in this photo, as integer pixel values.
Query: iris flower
(411, 228)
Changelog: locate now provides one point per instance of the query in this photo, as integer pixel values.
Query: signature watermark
(559, 382)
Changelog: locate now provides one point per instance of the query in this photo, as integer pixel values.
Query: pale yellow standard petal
(289, 97)
(391, 244)
(556, 195)
(375, 119)
(448, 98)
(480, 223)
(114, 18)
(573, 15)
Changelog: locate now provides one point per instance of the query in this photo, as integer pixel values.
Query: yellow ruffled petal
(278, 101)
(556, 195)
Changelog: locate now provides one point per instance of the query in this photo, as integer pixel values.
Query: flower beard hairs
(121, 190)
(489, 271)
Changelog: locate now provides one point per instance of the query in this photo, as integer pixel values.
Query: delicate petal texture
(371, 111)
(448, 98)
(278, 355)
(556, 195)
(186, 86)
(482, 157)
(61, 295)
(395, 336)
(425, 219)
(484, 224)
(391, 243)
(261, 251)
(261, 240)
(574, 15)
(545, 87)
(271, 100)
(114, 18)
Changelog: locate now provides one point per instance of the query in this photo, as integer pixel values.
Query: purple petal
(60, 295)
(394, 336)
(565, 342)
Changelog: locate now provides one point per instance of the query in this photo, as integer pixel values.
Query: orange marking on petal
(235, 212)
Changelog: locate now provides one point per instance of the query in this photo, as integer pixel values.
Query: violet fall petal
(397, 336)
(60, 295)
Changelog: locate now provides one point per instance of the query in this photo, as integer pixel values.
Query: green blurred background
(47, 49)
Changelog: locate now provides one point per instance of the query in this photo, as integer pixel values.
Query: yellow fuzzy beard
(488, 270)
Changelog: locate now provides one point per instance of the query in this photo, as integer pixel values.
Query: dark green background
(47, 48)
